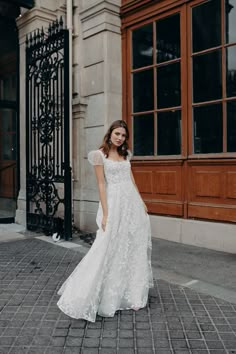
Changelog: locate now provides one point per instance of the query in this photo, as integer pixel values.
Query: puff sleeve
(96, 157)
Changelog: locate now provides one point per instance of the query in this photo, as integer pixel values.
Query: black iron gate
(48, 170)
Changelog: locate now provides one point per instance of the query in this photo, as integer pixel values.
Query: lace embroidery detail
(116, 272)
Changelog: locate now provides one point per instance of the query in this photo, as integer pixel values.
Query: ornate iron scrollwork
(48, 174)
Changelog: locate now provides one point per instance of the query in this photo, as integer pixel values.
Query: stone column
(100, 84)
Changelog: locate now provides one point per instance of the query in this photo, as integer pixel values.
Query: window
(213, 53)
(156, 88)
(183, 81)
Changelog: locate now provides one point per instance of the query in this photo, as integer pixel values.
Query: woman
(116, 272)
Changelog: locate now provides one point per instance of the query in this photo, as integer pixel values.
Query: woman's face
(118, 136)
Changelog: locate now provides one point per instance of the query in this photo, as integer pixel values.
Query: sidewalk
(178, 319)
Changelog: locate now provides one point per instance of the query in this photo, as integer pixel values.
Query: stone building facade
(100, 92)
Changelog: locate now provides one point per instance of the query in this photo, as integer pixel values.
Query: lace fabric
(116, 273)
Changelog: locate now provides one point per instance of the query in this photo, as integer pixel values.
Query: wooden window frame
(184, 9)
(154, 66)
(224, 98)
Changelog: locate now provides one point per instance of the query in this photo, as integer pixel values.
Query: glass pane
(8, 88)
(8, 147)
(231, 126)
(168, 38)
(169, 133)
(143, 91)
(143, 135)
(208, 129)
(6, 116)
(206, 25)
(142, 44)
(168, 86)
(230, 24)
(231, 71)
(207, 83)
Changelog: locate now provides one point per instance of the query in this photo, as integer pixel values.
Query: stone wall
(96, 90)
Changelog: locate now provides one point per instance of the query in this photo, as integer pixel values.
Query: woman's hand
(104, 222)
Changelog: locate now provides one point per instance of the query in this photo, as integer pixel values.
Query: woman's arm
(133, 180)
(99, 171)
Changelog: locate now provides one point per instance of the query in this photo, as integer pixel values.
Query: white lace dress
(116, 273)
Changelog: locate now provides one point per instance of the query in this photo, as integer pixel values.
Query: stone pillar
(100, 84)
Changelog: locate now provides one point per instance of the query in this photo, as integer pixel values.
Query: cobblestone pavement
(176, 320)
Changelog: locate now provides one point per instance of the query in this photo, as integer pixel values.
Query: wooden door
(8, 125)
(7, 152)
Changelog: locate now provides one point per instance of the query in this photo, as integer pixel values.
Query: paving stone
(45, 331)
(230, 344)
(197, 344)
(108, 351)
(127, 325)
(91, 342)
(179, 344)
(145, 351)
(158, 335)
(36, 350)
(214, 344)
(109, 333)
(42, 341)
(109, 343)
(93, 333)
(11, 331)
(126, 343)
(161, 343)
(6, 341)
(72, 350)
(144, 343)
(54, 350)
(89, 351)
(176, 334)
(161, 351)
(4, 350)
(24, 340)
(57, 341)
(193, 335)
(125, 351)
(74, 332)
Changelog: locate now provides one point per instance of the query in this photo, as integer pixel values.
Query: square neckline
(106, 158)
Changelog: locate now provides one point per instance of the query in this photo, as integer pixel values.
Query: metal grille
(48, 171)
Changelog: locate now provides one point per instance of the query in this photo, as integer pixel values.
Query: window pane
(207, 84)
(231, 71)
(206, 25)
(8, 88)
(208, 129)
(231, 126)
(169, 133)
(143, 91)
(142, 41)
(8, 147)
(168, 38)
(5, 120)
(143, 135)
(168, 86)
(230, 24)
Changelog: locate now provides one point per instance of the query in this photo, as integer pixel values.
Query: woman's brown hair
(106, 146)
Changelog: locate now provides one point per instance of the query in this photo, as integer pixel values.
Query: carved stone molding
(99, 17)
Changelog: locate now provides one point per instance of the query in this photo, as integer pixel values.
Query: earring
(109, 141)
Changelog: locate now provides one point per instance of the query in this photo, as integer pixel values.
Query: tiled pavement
(176, 320)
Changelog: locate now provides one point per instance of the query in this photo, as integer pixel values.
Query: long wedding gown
(116, 273)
